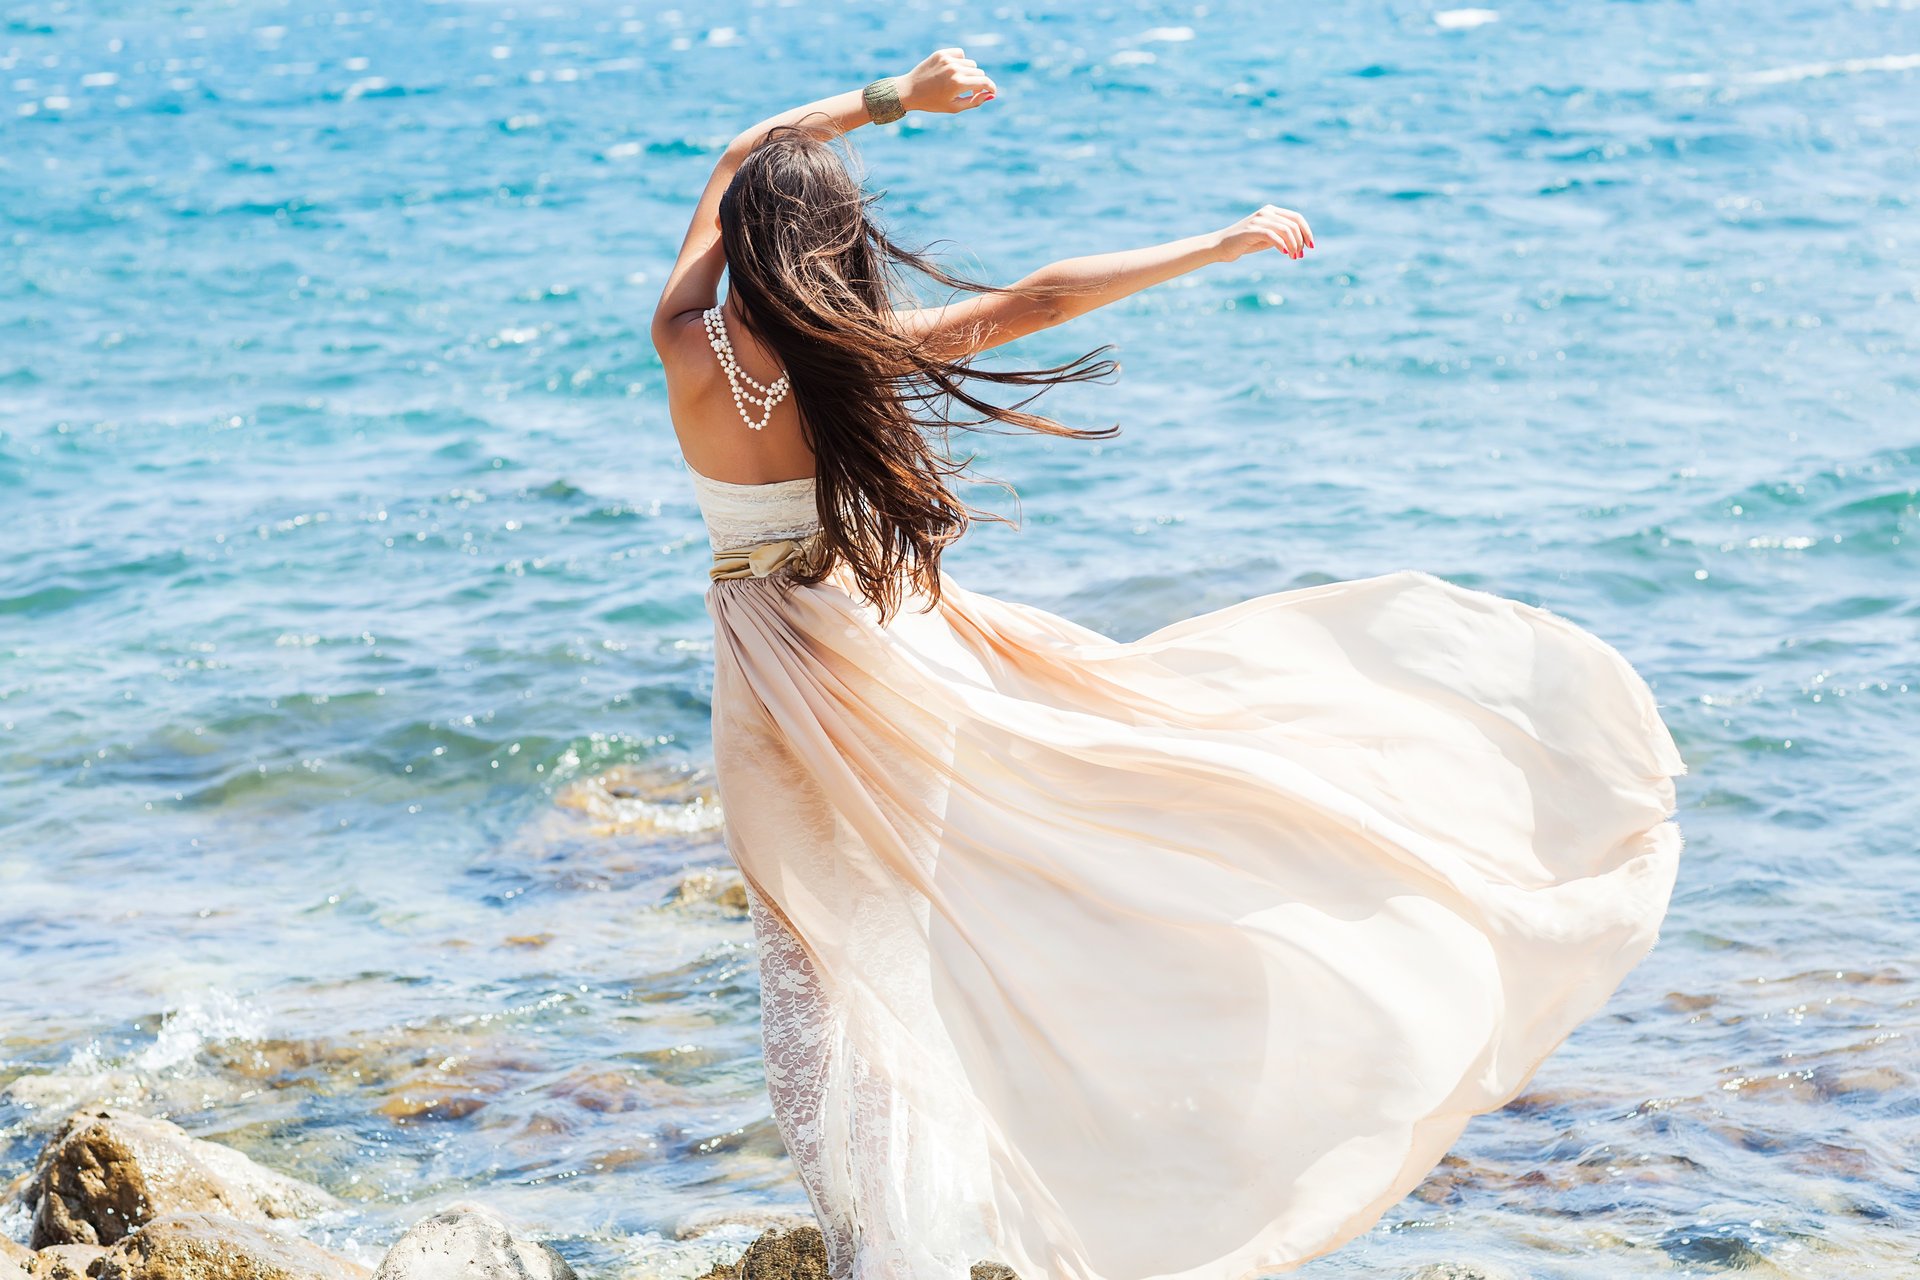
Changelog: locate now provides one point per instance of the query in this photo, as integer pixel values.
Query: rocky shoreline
(116, 1195)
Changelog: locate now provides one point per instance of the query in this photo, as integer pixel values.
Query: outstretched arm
(946, 81)
(1062, 290)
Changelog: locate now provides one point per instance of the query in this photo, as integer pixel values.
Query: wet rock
(799, 1254)
(1714, 1248)
(403, 1057)
(711, 887)
(706, 1221)
(208, 1246)
(424, 1074)
(648, 1151)
(14, 1259)
(758, 1137)
(465, 1242)
(603, 1092)
(108, 1172)
(429, 1104)
(1681, 1002)
(1844, 1084)
(61, 1092)
(628, 800)
(64, 1261)
(1458, 1271)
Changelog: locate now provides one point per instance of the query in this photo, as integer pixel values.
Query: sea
(356, 805)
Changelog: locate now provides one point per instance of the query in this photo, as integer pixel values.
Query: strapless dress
(1183, 957)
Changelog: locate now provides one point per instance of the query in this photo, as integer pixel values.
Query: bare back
(714, 438)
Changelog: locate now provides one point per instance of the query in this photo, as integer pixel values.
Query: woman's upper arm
(977, 324)
(693, 284)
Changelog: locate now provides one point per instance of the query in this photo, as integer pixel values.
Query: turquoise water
(354, 667)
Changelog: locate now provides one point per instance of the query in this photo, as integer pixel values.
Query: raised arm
(946, 81)
(1072, 287)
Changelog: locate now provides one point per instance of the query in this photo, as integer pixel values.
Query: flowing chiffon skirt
(1180, 958)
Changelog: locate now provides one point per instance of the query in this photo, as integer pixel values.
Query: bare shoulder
(680, 339)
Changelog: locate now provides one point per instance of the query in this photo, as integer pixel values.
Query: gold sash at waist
(802, 555)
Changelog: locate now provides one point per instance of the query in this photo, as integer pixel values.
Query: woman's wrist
(887, 99)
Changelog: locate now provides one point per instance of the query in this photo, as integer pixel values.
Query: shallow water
(351, 553)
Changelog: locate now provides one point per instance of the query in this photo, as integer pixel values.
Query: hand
(1270, 227)
(947, 82)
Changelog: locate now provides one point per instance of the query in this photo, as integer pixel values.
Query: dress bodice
(740, 515)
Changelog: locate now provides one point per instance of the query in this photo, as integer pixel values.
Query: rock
(706, 1221)
(63, 1092)
(1725, 1247)
(603, 1092)
(757, 1137)
(108, 1172)
(64, 1261)
(417, 1106)
(1457, 1271)
(15, 1258)
(628, 800)
(710, 886)
(800, 1254)
(210, 1246)
(465, 1242)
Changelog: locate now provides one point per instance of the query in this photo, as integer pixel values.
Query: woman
(1180, 958)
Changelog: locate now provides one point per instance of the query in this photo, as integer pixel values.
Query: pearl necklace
(763, 397)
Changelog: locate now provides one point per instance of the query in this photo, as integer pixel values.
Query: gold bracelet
(882, 100)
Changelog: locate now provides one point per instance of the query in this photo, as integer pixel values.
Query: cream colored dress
(1185, 957)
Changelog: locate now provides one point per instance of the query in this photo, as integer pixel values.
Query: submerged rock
(711, 886)
(416, 1106)
(1727, 1247)
(1457, 1271)
(108, 1172)
(467, 1243)
(706, 1221)
(628, 800)
(208, 1246)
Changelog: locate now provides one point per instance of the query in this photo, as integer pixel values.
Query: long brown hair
(816, 281)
